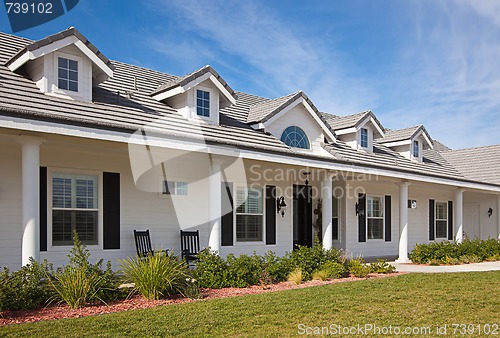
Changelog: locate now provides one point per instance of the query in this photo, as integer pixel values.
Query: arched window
(295, 137)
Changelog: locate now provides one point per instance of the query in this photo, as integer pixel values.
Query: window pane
(249, 228)
(73, 86)
(62, 63)
(335, 207)
(61, 227)
(249, 201)
(441, 211)
(73, 76)
(335, 229)
(375, 207)
(73, 65)
(63, 74)
(86, 226)
(295, 137)
(181, 188)
(441, 229)
(375, 229)
(62, 84)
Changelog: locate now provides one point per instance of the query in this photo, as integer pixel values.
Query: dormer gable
(294, 120)
(409, 142)
(65, 64)
(197, 96)
(357, 130)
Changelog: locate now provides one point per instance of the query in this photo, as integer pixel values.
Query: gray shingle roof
(124, 103)
(403, 134)
(183, 80)
(342, 122)
(59, 36)
(477, 164)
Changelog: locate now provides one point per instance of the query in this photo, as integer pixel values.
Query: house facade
(105, 148)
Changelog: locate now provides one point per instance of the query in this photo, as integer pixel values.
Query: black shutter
(362, 218)
(450, 220)
(388, 219)
(227, 221)
(43, 208)
(111, 206)
(431, 220)
(270, 214)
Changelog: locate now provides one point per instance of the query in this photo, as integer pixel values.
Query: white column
(326, 188)
(459, 215)
(31, 197)
(498, 215)
(403, 223)
(214, 205)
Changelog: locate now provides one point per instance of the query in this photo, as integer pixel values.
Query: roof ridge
(276, 98)
(472, 148)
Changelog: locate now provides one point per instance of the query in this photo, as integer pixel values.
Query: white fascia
(309, 109)
(394, 143)
(56, 45)
(346, 131)
(190, 145)
(182, 89)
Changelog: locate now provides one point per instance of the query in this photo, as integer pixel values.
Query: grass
(406, 300)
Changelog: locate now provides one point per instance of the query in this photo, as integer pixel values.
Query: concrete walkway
(484, 266)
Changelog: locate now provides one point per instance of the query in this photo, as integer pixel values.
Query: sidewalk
(484, 266)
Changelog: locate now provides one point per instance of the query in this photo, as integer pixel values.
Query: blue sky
(427, 62)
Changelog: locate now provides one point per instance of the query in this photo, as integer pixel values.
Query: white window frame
(361, 138)
(417, 144)
(235, 214)
(436, 220)
(382, 199)
(56, 89)
(175, 182)
(100, 232)
(198, 89)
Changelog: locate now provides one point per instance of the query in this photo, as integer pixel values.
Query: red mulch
(137, 302)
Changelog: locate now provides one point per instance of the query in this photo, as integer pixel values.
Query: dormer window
(202, 103)
(364, 138)
(295, 137)
(416, 149)
(67, 74)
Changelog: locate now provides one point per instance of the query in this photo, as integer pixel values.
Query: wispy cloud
(276, 57)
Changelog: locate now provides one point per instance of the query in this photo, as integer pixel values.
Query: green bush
(450, 252)
(470, 258)
(244, 270)
(81, 282)
(381, 266)
(26, 288)
(358, 268)
(275, 269)
(321, 275)
(334, 269)
(211, 270)
(156, 276)
(310, 259)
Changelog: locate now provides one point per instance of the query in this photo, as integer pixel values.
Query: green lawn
(402, 301)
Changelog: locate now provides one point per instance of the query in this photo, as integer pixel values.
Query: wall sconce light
(490, 212)
(281, 206)
(306, 174)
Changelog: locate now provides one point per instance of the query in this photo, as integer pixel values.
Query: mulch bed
(137, 302)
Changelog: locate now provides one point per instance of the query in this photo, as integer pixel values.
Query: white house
(105, 147)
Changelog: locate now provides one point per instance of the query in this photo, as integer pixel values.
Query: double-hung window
(375, 217)
(364, 137)
(67, 74)
(416, 149)
(249, 215)
(335, 219)
(74, 207)
(202, 103)
(441, 220)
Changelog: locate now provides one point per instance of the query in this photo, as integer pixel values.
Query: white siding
(487, 225)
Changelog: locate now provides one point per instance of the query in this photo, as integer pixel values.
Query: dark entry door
(302, 216)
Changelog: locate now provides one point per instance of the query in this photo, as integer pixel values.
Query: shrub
(449, 252)
(434, 262)
(244, 270)
(311, 259)
(211, 270)
(358, 268)
(295, 276)
(190, 288)
(155, 276)
(26, 288)
(81, 282)
(381, 266)
(321, 275)
(470, 258)
(276, 269)
(334, 269)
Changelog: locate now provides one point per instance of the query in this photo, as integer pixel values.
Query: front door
(302, 216)
(471, 221)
